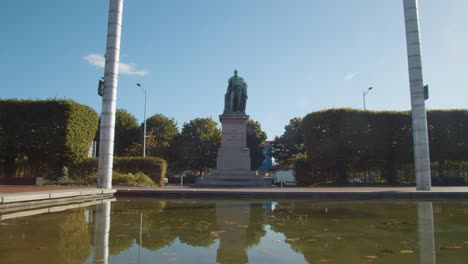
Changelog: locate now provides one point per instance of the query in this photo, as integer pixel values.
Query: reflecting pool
(242, 231)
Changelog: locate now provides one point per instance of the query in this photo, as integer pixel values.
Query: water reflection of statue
(235, 99)
(242, 227)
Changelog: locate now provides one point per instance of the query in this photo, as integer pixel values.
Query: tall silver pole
(144, 130)
(418, 109)
(109, 99)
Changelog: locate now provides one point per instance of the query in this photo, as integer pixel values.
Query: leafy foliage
(154, 167)
(163, 131)
(51, 134)
(448, 130)
(197, 146)
(288, 146)
(255, 139)
(127, 132)
(129, 179)
(343, 141)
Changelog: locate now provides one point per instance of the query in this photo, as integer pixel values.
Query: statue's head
(235, 73)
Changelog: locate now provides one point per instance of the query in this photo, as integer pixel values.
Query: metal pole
(109, 98)
(144, 121)
(364, 100)
(418, 110)
(144, 130)
(364, 96)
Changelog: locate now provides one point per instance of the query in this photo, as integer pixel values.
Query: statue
(235, 99)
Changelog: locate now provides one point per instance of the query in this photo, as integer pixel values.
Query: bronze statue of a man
(235, 99)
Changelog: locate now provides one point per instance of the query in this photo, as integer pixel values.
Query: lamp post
(144, 122)
(364, 96)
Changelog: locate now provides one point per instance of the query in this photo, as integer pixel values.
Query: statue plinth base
(233, 162)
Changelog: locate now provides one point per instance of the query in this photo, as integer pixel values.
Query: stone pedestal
(233, 162)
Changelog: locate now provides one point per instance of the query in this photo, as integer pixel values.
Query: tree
(197, 146)
(163, 131)
(127, 131)
(289, 145)
(255, 139)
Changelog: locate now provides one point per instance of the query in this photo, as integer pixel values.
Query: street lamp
(144, 122)
(364, 96)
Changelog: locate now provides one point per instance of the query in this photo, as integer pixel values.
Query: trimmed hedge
(344, 142)
(448, 135)
(129, 179)
(51, 134)
(154, 167)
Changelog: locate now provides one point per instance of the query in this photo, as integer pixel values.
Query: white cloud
(350, 76)
(95, 60)
(124, 68)
(131, 69)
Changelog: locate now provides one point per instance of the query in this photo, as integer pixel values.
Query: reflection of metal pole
(426, 233)
(101, 233)
(418, 110)
(109, 98)
(139, 248)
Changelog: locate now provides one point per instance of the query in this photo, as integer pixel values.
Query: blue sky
(297, 56)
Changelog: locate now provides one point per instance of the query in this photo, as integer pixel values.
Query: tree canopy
(127, 131)
(255, 139)
(289, 145)
(197, 146)
(163, 131)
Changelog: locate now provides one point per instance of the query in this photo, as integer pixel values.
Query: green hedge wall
(448, 135)
(344, 141)
(50, 134)
(154, 167)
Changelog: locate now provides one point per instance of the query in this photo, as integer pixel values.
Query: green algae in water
(242, 231)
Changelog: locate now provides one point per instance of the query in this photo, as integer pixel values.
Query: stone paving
(25, 188)
(18, 195)
(298, 192)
